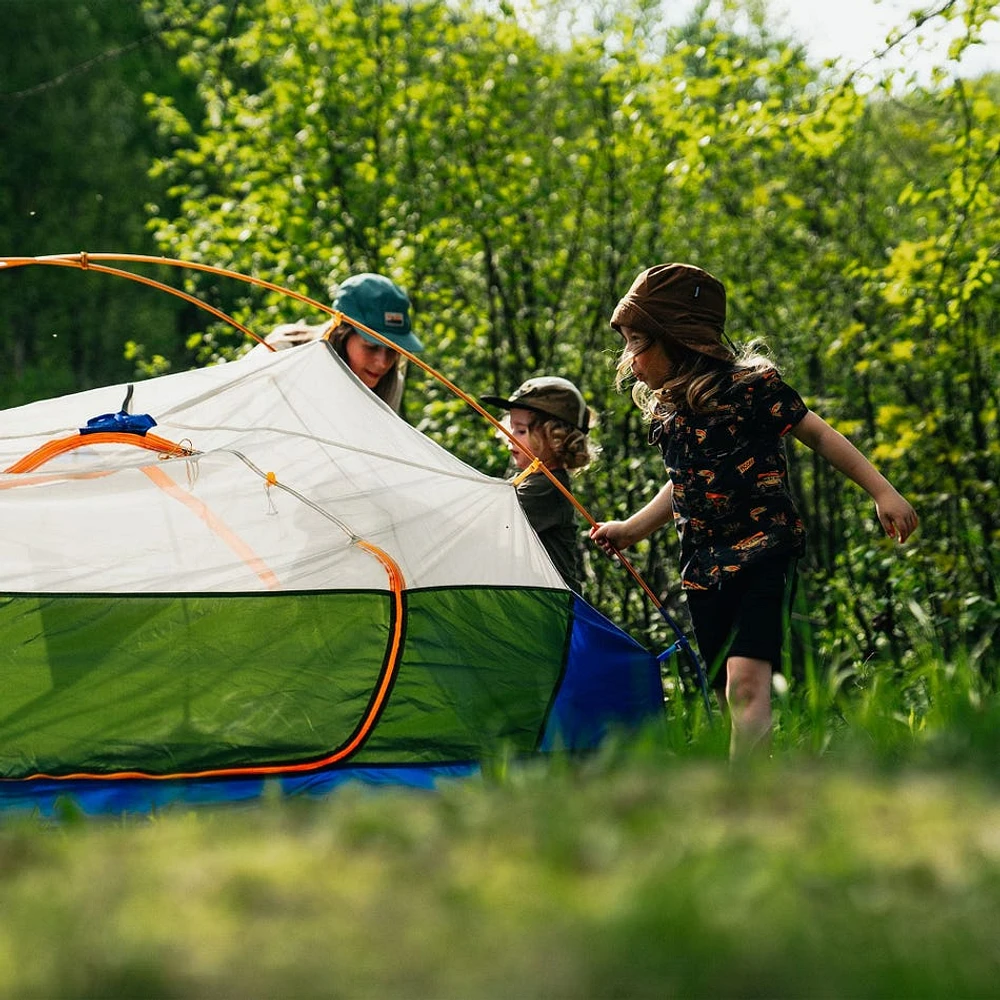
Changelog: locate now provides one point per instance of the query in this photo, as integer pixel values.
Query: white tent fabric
(119, 519)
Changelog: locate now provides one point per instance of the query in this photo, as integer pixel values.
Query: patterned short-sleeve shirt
(732, 503)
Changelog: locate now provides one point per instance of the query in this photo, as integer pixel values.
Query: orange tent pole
(92, 261)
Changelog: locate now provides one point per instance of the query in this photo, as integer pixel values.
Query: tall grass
(925, 705)
(862, 860)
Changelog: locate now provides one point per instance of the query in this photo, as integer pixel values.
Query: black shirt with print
(732, 504)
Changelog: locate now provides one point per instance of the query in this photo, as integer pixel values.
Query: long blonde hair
(696, 380)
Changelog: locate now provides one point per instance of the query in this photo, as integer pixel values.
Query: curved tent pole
(83, 262)
(91, 261)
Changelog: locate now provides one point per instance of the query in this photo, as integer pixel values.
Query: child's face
(369, 361)
(650, 363)
(521, 423)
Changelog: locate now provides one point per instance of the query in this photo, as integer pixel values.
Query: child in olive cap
(719, 417)
(550, 416)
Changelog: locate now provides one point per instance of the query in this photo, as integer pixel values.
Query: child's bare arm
(895, 513)
(621, 534)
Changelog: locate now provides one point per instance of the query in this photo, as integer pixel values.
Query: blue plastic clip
(121, 422)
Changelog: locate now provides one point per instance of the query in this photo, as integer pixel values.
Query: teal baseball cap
(380, 304)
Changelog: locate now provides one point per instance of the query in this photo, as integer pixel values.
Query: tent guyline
(85, 260)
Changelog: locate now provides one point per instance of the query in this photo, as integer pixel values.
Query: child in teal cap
(379, 304)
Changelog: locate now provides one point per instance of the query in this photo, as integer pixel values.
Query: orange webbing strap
(52, 477)
(51, 449)
(396, 585)
(214, 524)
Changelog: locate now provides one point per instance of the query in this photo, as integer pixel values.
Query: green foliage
(73, 176)
(514, 187)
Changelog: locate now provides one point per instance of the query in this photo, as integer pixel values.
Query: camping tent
(280, 581)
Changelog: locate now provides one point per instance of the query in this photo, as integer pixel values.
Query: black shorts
(743, 617)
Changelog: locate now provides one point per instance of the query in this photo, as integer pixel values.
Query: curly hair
(567, 445)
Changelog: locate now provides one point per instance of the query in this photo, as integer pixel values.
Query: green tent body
(276, 580)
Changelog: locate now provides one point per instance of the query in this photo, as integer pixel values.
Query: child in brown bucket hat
(719, 416)
(550, 416)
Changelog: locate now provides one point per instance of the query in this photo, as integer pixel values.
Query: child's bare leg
(748, 692)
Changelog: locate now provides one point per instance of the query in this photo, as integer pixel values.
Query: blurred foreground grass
(635, 875)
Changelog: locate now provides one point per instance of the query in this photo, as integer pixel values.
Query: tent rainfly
(257, 573)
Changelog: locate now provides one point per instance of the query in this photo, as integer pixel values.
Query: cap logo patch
(394, 319)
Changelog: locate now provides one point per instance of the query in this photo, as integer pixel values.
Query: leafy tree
(73, 176)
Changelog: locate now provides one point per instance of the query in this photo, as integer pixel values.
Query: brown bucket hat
(549, 395)
(679, 301)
